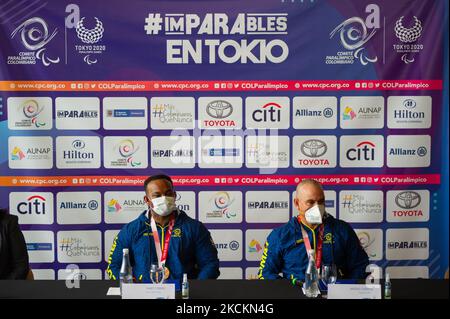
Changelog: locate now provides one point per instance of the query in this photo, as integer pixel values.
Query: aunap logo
(123, 207)
(30, 152)
(255, 239)
(362, 112)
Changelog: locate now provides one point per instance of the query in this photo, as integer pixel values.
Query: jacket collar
(178, 218)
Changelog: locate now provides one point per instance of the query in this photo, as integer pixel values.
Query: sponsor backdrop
(238, 101)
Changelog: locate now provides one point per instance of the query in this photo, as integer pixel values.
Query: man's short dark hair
(156, 177)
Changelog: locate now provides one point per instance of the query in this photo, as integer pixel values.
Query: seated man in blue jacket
(334, 241)
(166, 236)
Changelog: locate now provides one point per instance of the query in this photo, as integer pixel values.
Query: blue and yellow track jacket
(191, 249)
(285, 253)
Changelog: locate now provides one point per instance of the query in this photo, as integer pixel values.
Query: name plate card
(346, 291)
(148, 291)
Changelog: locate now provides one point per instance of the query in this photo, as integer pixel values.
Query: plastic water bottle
(387, 287)
(311, 285)
(185, 287)
(126, 272)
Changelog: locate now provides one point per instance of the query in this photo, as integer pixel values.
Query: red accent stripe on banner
(223, 85)
(221, 180)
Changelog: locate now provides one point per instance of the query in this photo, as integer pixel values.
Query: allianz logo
(399, 151)
(92, 205)
(232, 245)
(327, 112)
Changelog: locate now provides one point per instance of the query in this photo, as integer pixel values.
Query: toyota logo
(313, 148)
(408, 199)
(219, 109)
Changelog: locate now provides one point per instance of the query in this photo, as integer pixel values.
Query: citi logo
(35, 204)
(270, 112)
(364, 151)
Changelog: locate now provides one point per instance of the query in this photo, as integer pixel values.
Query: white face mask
(163, 205)
(314, 214)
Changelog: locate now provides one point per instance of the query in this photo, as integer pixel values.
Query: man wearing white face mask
(333, 241)
(166, 236)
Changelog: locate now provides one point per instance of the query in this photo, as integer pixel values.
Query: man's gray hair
(309, 181)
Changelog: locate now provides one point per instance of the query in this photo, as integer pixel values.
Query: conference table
(210, 289)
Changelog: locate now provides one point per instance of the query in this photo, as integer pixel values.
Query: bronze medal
(166, 273)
